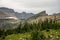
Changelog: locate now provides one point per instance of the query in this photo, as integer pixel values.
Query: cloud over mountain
(34, 6)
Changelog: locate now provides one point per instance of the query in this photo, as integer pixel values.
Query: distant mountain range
(7, 14)
(22, 15)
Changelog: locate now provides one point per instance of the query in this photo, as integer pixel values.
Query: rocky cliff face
(7, 19)
(5, 16)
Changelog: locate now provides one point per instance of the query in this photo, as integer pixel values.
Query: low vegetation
(46, 30)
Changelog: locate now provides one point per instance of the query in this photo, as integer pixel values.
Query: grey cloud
(32, 5)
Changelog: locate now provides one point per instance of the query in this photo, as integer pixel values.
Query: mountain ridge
(22, 15)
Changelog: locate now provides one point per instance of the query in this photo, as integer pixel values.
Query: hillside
(14, 27)
(43, 16)
(43, 13)
(38, 15)
(23, 36)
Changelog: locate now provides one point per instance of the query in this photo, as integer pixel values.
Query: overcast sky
(35, 6)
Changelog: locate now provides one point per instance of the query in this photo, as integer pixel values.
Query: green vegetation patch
(51, 34)
(18, 36)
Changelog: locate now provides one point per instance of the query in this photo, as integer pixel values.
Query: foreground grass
(52, 34)
(18, 36)
(49, 35)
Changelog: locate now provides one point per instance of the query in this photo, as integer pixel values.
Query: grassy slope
(52, 33)
(18, 36)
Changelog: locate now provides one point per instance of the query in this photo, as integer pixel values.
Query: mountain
(7, 20)
(42, 16)
(8, 15)
(22, 15)
(4, 16)
(8, 10)
(43, 13)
